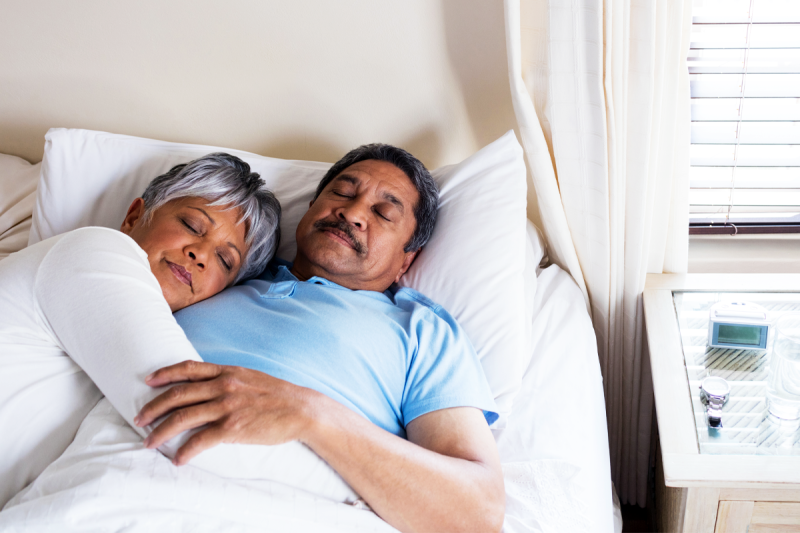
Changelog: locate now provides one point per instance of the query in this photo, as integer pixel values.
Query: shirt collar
(284, 274)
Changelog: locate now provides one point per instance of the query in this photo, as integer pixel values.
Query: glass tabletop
(746, 428)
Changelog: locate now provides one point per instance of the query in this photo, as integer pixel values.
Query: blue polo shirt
(390, 356)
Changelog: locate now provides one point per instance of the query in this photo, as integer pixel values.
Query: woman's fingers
(184, 420)
(185, 371)
(178, 396)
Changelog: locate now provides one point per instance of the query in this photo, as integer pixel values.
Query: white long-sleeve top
(80, 312)
(80, 303)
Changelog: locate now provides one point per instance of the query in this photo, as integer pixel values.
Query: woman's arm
(97, 297)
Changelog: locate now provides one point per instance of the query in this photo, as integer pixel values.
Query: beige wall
(744, 253)
(305, 79)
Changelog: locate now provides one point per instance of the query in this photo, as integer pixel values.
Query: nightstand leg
(682, 509)
(701, 510)
(734, 517)
(686, 510)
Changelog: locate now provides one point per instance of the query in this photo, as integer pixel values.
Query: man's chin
(332, 264)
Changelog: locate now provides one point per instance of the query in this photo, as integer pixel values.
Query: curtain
(601, 94)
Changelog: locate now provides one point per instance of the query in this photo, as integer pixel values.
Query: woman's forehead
(221, 217)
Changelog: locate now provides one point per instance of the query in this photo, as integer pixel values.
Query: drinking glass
(783, 386)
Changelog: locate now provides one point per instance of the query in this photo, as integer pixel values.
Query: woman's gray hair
(225, 180)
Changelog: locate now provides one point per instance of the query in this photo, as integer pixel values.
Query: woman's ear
(134, 216)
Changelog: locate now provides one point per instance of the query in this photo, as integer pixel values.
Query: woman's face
(195, 250)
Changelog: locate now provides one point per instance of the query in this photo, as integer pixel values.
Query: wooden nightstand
(744, 478)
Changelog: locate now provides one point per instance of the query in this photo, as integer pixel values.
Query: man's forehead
(381, 174)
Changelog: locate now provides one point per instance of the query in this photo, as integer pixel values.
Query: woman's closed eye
(189, 226)
(227, 264)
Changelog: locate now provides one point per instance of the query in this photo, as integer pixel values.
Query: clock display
(733, 334)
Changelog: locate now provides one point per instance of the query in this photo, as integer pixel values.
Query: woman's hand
(236, 404)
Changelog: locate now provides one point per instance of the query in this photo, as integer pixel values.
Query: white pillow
(473, 265)
(89, 178)
(18, 180)
(534, 253)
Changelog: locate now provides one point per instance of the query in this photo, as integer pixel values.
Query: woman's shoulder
(90, 252)
(87, 258)
(97, 240)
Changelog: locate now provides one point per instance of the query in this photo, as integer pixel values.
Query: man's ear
(135, 214)
(409, 259)
(310, 204)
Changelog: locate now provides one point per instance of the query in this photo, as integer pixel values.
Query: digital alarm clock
(742, 325)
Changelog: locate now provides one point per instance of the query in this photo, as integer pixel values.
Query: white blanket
(556, 468)
(107, 481)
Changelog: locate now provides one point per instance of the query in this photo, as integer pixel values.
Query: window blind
(744, 71)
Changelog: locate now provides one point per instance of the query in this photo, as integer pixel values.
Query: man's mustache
(345, 228)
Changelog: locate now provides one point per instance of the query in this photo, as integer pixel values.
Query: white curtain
(601, 94)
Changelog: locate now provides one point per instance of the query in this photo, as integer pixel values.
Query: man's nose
(354, 212)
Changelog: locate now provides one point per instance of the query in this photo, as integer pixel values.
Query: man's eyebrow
(395, 201)
(214, 222)
(348, 178)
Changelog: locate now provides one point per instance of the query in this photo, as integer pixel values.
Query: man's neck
(304, 271)
(297, 273)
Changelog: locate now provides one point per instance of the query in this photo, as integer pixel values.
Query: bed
(553, 442)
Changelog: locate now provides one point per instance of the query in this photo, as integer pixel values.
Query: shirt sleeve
(445, 370)
(97, 297)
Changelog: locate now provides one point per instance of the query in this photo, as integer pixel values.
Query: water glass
(783, 387)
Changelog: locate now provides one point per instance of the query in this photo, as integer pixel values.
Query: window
(744, 70)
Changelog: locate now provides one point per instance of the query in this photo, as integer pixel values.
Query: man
(382, 384)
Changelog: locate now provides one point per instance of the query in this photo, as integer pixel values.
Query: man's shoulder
(417, 303)
(407, 294)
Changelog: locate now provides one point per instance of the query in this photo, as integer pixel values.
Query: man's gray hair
(225, 180)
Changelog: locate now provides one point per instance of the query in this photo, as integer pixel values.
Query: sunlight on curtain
(601, 93)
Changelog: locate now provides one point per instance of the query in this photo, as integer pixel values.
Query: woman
(100, 301)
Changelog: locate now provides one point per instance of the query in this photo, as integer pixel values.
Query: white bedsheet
(555, 448)
(554, 453)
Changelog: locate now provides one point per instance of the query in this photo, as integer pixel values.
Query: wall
(306, 79)
(745, 253)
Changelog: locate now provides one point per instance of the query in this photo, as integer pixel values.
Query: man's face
(355, 232)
